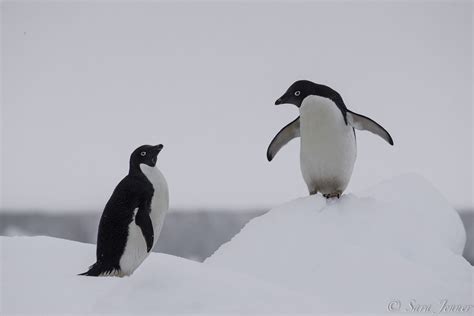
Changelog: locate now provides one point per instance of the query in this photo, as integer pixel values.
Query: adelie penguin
(328, 142)
(133, 217)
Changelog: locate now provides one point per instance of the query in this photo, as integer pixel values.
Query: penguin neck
(320, 107)
(136, 171)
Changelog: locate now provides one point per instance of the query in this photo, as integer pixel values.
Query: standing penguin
(328, 143)
(133, 216)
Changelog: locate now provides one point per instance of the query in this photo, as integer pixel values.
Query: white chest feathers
(328, 147)
(160, 200)
(135, 249)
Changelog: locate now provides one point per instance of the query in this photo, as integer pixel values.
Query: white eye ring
(143, 153)
(297, 93)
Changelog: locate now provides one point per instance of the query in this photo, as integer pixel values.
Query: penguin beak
(158, 148)
(280, 100)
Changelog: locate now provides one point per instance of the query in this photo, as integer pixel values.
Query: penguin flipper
(287, 133)
(143, 220)
(362, 122)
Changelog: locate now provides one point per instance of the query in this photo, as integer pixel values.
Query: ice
(39, 277)
(399, 240)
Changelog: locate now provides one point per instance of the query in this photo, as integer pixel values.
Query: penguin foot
(332, 195)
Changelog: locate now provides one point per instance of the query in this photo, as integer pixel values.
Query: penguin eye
(297, 93)
(143, 153)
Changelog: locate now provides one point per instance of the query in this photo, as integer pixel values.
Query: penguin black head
(299, 90)
(145, 154)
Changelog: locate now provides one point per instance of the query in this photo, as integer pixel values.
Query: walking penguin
(328, 143)
(133, 217)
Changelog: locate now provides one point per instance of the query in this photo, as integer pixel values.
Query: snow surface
(39, 277)
(399, 240)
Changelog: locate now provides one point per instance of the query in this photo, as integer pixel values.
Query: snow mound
(398, 241)
(38, 276)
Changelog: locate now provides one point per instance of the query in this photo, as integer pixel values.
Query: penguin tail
(94, 270)
(98, 269)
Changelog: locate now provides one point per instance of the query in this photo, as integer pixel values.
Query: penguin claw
(332, 195)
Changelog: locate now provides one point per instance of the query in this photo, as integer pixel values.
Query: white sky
(85, 83)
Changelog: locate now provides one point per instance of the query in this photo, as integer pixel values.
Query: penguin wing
(362, 122)
(286, 134)
(143, 220)
(118, 214)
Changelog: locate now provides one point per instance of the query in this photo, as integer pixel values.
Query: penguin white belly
(136, 249)
(328, 146)
(160, 200)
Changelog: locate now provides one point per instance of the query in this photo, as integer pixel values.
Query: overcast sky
(85, 83)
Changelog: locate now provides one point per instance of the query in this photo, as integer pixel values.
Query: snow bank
(39, 277)
(398, 241)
